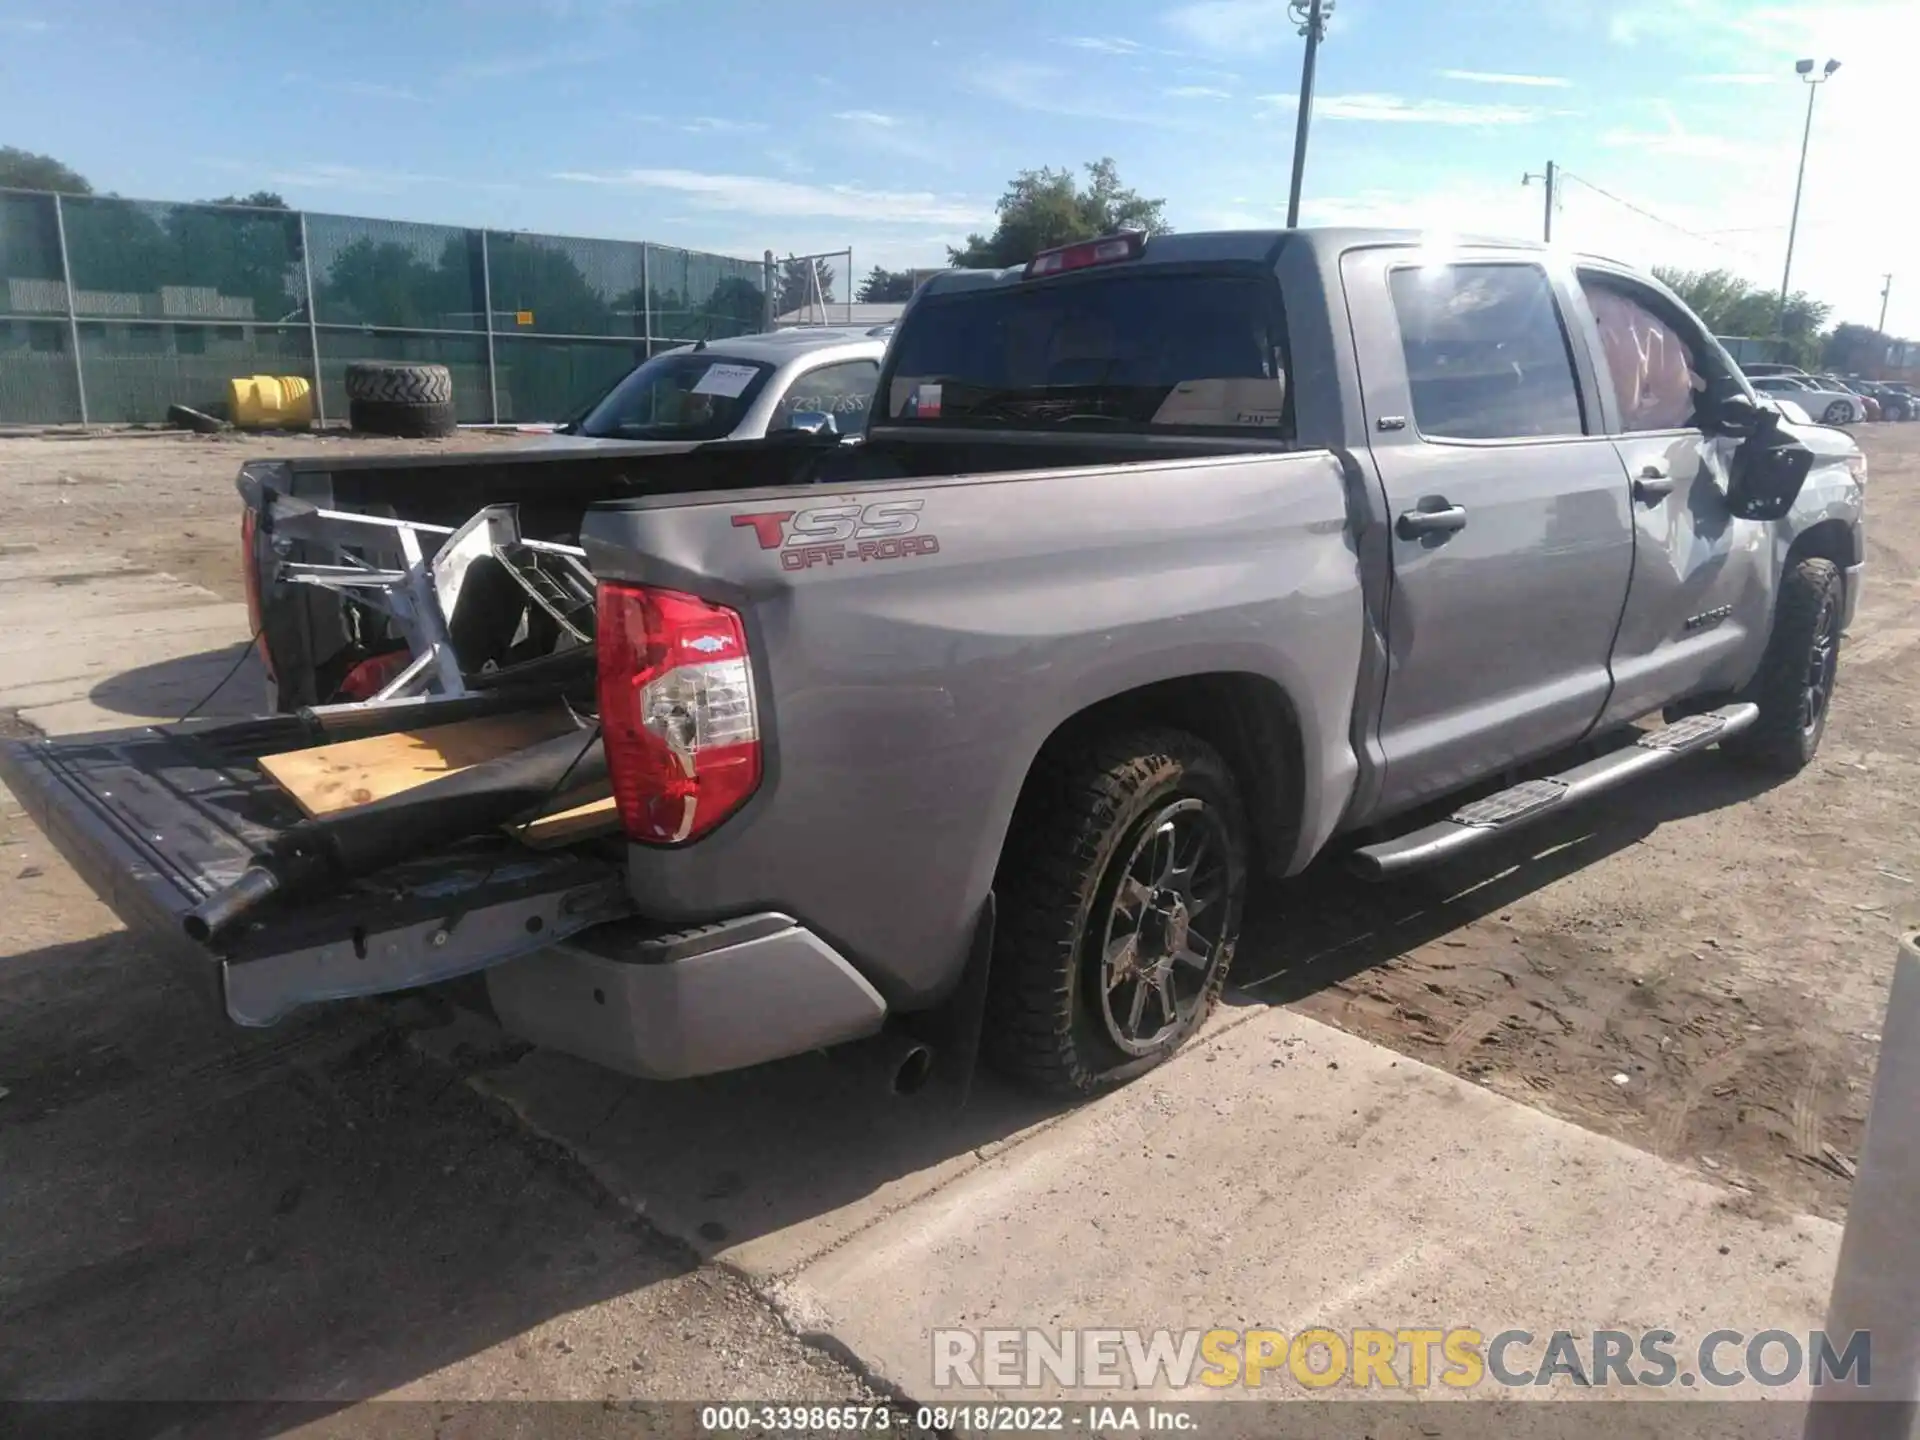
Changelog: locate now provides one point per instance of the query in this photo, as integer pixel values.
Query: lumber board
(329, 778)
(576, 822)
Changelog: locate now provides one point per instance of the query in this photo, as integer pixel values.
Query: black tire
(399, 384)
(1794, 687)
(1077, 837)
(1838, 413)
(381, 417)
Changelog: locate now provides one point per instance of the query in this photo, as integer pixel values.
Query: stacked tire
(384, 398)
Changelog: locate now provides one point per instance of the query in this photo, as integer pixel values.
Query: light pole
(1547, 228)
(1886, 292)
(1805, 70)
(1311, 17)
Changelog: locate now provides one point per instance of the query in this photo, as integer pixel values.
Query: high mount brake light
(677, 712)
(1107, 250)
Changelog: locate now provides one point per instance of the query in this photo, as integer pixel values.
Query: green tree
(1045, 208)
(736, 307)
(1852, 348)
(24, 170)
(1731, 305)
(259, 200)
(798, 281)
(883, 286)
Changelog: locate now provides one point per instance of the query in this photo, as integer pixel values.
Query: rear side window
(1487, 355)
(1135, 351)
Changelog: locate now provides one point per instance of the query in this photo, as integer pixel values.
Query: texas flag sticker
(926, 402)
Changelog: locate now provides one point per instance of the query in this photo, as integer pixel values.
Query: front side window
(1657, 377)
(687, 395)
(1487, 357)
(1132, 351)
(843, 390)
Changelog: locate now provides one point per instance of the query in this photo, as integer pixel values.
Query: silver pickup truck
(1163, 565)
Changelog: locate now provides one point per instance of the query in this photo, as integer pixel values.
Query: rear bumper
(722, 997)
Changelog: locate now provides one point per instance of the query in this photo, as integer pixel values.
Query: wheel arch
(1248, 718)
(1829, 539)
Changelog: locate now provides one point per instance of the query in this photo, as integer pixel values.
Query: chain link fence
(111, 310)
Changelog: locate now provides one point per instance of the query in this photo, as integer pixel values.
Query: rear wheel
(1838, 413)
(1121, 892)
(1794, 688)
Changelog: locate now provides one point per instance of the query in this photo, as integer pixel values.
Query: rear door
(840, 388)
(1698, 605)
(1512, 542)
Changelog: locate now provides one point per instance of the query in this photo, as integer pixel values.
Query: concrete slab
(94, 643)
(765, 1169)
(1289, 1175)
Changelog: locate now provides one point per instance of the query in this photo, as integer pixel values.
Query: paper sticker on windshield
(726, 381)
(1247, 400)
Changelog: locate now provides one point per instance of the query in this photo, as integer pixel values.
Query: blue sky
(743, 125)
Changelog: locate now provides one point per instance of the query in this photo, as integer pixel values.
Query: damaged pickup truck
(1163, 564)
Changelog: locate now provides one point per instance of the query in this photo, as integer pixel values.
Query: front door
(1698, 606)
(1512, 543)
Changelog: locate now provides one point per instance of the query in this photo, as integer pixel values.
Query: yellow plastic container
(270, 402)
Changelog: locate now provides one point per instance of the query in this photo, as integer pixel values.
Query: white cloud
(376, 90)
(1235, 27)
(1399, 110)
(868, 117)
(322, 175)
(24, 26)
(763, 195)
(1106, 44)
(1197, 92)
(1735, 79)
(714, 125)
(1495, 77)
(1049, 90)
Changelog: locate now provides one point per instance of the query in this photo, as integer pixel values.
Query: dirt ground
(1696, 965)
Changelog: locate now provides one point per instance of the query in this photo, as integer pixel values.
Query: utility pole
(1311, 17)
(1546, 229)
(1804, 68)
(1885, 291)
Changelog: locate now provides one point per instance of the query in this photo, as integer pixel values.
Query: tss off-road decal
(829, 534)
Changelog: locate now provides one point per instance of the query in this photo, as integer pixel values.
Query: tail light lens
(250, 575)
(677, 711)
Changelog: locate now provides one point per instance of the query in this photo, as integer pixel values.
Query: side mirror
(813, 422)
(1767, 472)
(1736, 414)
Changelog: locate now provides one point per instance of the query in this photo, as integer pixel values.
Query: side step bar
(1498, 814)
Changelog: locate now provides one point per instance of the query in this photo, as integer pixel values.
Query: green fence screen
(111, 310)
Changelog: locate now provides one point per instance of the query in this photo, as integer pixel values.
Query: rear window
(690, 395)
(1122, 352)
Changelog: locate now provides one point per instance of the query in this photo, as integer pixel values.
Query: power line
(1704, 237)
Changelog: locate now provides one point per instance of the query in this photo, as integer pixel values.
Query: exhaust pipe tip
(892, 1062)
(217, 914)
(914, 1069)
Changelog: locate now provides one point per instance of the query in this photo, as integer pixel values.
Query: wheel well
(1828, 540)
(1247, 718)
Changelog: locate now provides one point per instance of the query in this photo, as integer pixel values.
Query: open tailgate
(157, 820)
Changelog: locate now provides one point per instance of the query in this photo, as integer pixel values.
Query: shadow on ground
(228, 683)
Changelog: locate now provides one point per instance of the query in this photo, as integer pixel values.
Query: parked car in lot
(738, 389)
(1164, 563)
(1906, 396)
(1895, 404)
(1832, 405)
(1851, 387)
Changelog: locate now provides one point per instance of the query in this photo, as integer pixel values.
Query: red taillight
(250, 576)
(676, 711)
(1104, 251)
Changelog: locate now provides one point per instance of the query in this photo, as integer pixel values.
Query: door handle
(1653, 483)
(1443, 520)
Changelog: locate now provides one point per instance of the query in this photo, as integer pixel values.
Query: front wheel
(1121, 890)
(1838, 413)
(1794, 687)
